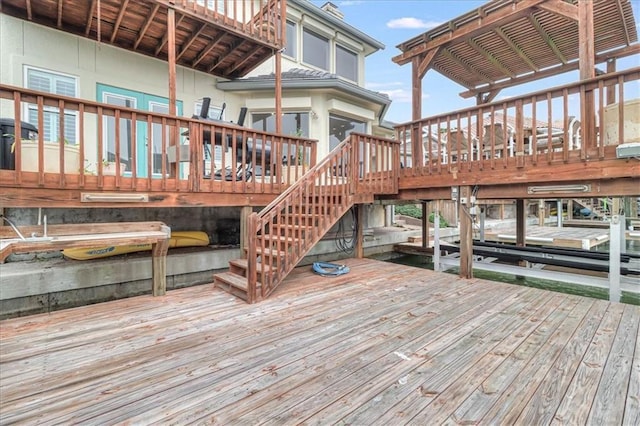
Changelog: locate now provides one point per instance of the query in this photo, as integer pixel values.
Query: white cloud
(401, 95)
(412, 23)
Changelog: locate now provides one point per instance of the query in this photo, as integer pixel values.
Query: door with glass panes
(143, 140)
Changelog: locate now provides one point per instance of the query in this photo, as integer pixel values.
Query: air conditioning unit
(628, 150)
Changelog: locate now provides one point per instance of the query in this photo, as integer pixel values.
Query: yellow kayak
(178, 239)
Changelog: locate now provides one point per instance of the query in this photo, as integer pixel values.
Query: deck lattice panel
(384, 344)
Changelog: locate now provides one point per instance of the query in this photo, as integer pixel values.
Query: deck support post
(159, 267)
(425, 224)
(278, 90)
(521, 223)
(171, 53)
(541, 212)
(436, 240)
(586, 52)
(245, 212)
(466, 232)
(559, 211)
(483, 217)
(359, 248)
(611, 90)
(616, 242)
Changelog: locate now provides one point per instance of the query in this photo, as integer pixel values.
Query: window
(292, 39)
(341, 127)
(293, 123)
(346, 63)
(59, 84)
(315, 50)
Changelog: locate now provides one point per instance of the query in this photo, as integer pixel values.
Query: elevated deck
(384, 344)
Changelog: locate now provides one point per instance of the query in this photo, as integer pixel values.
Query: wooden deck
(579, 238)
(384, 344)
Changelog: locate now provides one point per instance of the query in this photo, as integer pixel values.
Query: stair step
(232, 283)
(242, 265)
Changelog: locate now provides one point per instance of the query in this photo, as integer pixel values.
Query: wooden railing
(284, 231)
(578, 122)
(152, 152)
(248, 17)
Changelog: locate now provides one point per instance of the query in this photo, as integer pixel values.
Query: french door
(143, 141)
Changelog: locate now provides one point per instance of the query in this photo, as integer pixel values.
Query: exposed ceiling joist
(560, 7)
(29, 12)
(189, 42)
(92, 8)
(229, 51)
(59, 13)
(146, 25)
(517, 49)
(238, 65)
(471, 29)
(165, 37)
(547, 38)
(116, 26)
(481, 50)
(212, 45)
(634, 49)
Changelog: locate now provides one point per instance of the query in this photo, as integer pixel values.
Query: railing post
(252, 259)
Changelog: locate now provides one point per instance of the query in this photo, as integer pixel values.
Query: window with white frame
(292, 39)
(59, 84)
(315, 49)
(346, 63)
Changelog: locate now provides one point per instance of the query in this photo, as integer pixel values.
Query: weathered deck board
(384, 344)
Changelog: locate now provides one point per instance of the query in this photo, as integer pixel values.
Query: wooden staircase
(284, 231)
(598, 210)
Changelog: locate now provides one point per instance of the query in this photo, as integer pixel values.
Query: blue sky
(395, 21)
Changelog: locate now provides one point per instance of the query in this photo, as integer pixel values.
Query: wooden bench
(93, 235)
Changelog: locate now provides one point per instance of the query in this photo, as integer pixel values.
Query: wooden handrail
(285, 230)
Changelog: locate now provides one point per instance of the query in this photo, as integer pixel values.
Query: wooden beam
(624, 22)
(634, 49)
(116, 26)
(521, 223)
(509, 13)
(59, 14)
(189, 42)
(517, 49)
(466, 233)
(278, 90)
(547, 38)
(29, 10)
(146, 25)
(212, 45)
(359, 244)
(92, 8)
(467, 66)
(425, 63)
(481, 50)
(162, 42)
(611, 90)
(171, 31)
(425, 224)
(231, 49)
(416, 91)
(561, 8)
(586, 38)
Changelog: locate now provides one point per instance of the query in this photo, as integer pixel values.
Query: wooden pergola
(505, 43)
(509, 42)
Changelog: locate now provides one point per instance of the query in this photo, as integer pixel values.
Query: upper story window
(315, 50)
(58, 84)
(346, 63)
(292, 39)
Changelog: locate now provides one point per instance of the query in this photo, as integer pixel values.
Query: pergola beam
(481, 50)
(624, 23)
(561, 8)
(466, 66)
(548, 39)
(508, 14)
(634, 49)
(517, 49)
(425, 62)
